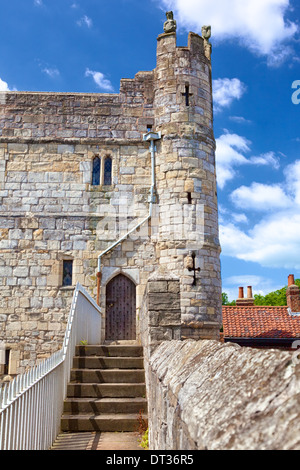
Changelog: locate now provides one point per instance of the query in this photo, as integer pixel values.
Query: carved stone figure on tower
(170, 25)
(206, 34)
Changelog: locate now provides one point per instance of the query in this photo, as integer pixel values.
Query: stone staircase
(107, 390)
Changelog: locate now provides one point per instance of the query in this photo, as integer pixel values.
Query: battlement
(194, 40)
(197, 46)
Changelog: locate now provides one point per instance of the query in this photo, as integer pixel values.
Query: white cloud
(230, 153)
(225, 215)
(268, 158)
(234, 241)
(51, 72)
(264, 197)
(261, 197)
(259, 284)
(240, 120)
(229, 148)
(3, 86)
(240, 218)
(292, 174)
(245, 280)
(225, 90)
(277, 57)
(260, 25)
(274, 240)
(38, 3)
(100, 80)
(85, 21)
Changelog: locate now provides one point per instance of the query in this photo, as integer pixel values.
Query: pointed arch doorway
(120, 321)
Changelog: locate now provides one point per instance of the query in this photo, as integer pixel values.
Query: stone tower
(84, 199)
(188, 242)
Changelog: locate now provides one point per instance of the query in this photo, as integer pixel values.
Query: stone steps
(109, 350)
(117, 390)
(105, 405)
(103, 362)
(107, 390)
(105, 422)
(107, 376)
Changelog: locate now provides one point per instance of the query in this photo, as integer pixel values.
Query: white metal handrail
(31, 405)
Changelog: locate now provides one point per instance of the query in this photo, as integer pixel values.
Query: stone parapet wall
(204, 395)
(160, 313)
(33, 115)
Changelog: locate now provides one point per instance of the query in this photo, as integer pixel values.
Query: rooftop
(259, 322)
(249, 321)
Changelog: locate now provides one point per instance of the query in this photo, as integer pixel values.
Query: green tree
(275, 298)
(225, 300)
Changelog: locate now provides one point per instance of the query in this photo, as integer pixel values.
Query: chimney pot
(241, 292)
(293, 295)
(242, 301)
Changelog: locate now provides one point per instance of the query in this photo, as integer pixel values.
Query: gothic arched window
(96, 171)
(107, 171)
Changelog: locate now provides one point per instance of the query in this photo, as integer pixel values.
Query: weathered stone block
(164, 301)
(17, 148)
(157, 286)
(174, 287)
(64, 148)
(21, 271)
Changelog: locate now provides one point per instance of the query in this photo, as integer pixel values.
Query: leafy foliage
(143, 431)
(225, 300)
(276, 298)
(144, 443)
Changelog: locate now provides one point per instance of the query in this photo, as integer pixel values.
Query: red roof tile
(259, 322)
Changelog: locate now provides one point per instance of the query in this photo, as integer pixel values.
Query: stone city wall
(205, 395)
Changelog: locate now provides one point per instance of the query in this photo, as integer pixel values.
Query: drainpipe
(149, 137)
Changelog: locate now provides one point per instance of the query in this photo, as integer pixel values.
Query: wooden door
(120, 321)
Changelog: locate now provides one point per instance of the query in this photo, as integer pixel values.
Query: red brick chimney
(293, 295)
(245, 302)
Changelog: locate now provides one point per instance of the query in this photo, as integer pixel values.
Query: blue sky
(89, 45)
